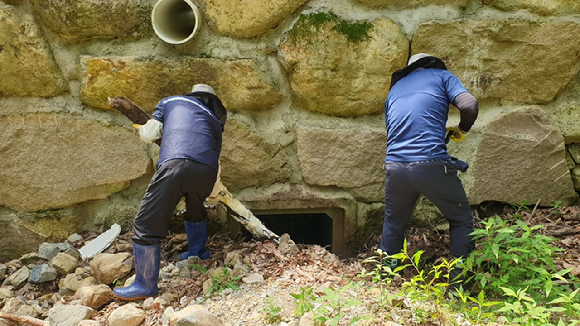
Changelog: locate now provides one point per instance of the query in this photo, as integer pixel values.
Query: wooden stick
(234, 207)
(131, 111)
(23, 319)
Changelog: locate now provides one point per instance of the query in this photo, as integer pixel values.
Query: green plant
(569, 304)
(198, 267)
(516, 262)
(428, 285)
(272, 311)
(525, 309)
(381, 272)
(523, 206)
(304, 301)
(478, 310)
(334, 303)
(557, 207)
(514, 255)
(117, 282)
(223, 280)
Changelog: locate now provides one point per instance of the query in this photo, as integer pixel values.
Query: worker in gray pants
(417, 162)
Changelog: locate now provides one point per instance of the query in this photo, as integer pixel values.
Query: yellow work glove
(455, 133)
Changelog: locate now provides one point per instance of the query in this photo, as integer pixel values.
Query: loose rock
(19, 277)
(95, 296)
(127, 315)
(68, 315)
(42, 273)
(108, 267)
(192, 315)
(64, 263)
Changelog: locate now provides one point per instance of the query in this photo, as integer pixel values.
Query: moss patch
(309, 24)
(354, 32)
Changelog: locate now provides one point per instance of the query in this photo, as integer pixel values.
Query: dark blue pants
(438, 181)
(174, 180)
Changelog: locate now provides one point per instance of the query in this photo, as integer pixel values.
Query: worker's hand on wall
(455, 133)
(151, 131)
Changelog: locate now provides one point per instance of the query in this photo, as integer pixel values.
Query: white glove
(151, 131)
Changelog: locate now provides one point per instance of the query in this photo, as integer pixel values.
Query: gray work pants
(438, 181)
(175, 179)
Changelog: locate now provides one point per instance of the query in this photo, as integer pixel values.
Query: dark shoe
(196, 239)
(460, 278)
(147, 260)
(388, 270)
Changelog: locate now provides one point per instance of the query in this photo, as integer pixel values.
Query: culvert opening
(303, 228)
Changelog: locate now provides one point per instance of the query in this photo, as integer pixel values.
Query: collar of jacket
(426, 62)
(213, 103)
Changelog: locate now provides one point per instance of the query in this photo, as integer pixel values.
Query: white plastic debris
(100, 243)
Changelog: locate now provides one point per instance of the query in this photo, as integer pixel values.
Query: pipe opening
(175, 21)
(304, 228)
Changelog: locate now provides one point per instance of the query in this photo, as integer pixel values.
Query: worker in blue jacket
(191, 129)
(417, 162)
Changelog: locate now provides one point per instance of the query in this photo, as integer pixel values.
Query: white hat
(203, 88)
(416, 57)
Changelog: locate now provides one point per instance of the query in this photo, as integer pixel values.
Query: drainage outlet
(320, 227)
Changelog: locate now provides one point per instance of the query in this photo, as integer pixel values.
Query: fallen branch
(23, 319)
(234, 207)
(563, 231)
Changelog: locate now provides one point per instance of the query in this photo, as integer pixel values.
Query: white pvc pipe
(175, 21)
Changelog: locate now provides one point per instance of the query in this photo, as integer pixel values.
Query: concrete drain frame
(335, 214)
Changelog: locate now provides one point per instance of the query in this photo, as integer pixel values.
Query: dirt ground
(312, 267)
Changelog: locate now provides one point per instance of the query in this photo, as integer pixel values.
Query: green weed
(271, 311)
(335, 302)
(514, 255)
(304, 301)
(223, 280)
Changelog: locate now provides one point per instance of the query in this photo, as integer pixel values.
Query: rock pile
(55, 286)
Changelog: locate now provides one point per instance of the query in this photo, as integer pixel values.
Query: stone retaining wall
(304, 83)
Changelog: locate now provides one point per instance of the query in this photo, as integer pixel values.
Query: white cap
(203, 88)
(416, 57)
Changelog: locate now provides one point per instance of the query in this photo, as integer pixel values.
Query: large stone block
(53, 160)
(244, 84)
(541, 7)
(27, 66)
(412, 4)
(340, 68)
(248, 159)
(565, 112)
(16, 239)
(247, 18)
(519, 156)
(512, 60)
(77, 21)
(348, 158)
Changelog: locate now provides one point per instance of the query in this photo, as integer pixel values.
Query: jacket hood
(213, 103)
(426, 62)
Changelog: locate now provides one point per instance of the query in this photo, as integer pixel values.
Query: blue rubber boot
(147, 260)
(196, 239)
